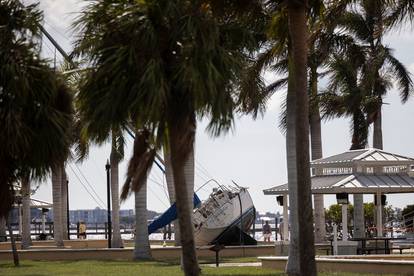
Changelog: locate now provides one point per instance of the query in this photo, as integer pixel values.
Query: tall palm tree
(35, 105)
(25, 193)
(322, 40)
(347, 96)
(2, 229)
(192, 69)
(57, 205)
(368, 21)
(64, 197)
(301, 259)
(171, 192)
(117, 148)
(142, 249)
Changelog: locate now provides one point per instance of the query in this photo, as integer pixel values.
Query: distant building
(96, 215)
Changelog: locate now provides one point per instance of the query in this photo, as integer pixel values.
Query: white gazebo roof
(354, 184)
(359, 171)
(36, 203)
(364, 155)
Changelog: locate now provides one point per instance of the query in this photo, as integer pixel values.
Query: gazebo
(34, 204)
(366, 171)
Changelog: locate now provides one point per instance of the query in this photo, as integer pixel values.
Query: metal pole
(108, 191)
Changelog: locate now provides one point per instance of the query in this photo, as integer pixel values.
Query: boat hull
(239, 210)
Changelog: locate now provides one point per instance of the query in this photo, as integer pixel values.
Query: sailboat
(224, 209)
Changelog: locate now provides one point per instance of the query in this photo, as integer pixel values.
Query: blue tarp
(168, 216)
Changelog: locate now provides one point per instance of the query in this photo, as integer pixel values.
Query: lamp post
(108, 191)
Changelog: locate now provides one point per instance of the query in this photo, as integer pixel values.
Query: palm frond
(401, 75)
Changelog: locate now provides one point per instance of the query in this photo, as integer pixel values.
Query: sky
(253, 154)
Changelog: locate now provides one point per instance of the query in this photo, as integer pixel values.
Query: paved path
(234, 264)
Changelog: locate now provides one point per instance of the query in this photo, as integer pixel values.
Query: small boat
(225, 208)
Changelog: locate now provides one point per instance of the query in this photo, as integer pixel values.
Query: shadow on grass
(242, 274)
(11, 265)
(155, 263)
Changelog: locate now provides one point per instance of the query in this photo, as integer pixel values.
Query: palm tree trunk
(57, 205)
(64, 197)
(316, 149)
(26, 239)
(378, 143)
(2, 229)
(171, 192)
(142, 250)
(181, 138)
(116, 234)
(302, 194)
(189, 176)
(13, 243)
(359, 131)
(292, 266)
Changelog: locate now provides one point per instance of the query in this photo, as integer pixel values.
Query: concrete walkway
(234, 265)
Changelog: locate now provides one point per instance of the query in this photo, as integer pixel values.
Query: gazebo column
(43, 222)
(285, 218)
(379, 215)
(359, 220)
(320, 231)
(344, 222)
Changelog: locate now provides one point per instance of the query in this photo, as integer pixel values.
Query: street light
(108, 195)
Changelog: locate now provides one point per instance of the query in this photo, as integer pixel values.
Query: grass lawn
(125, 268)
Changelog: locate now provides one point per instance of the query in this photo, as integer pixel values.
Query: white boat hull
(221, 211)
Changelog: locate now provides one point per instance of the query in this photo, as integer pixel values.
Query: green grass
(125, 268)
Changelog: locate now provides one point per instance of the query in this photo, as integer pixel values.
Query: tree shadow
(11, 265)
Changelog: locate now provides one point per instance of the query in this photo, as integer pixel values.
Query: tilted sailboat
(224, 209)
(225, 212)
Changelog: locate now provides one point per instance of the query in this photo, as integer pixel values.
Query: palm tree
(369, 21)
(171, 192)
(35, 105)
(301, 259)
(189, 171)
(192, 69)
(64, 197)
(57, 205)
(2, 229)
(25, 193)
(142, 249)
(322, 40)
(116, 154)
